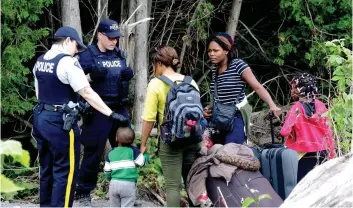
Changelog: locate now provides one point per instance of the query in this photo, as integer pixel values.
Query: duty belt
(55, 108)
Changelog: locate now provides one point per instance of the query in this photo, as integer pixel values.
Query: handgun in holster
(71, 115)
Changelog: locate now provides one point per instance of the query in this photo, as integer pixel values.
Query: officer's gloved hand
(98, 75)
(119, 118)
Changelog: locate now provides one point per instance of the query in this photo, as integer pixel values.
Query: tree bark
(124, 10)
(71, 15)
(328, 185)
(102, 9)
(141, 63)
(234, 18)
(131, 38)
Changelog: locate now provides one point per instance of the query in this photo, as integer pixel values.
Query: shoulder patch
(77, 64)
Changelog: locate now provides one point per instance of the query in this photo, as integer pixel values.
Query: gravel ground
(98, 203)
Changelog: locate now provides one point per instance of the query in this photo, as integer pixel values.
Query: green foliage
(305, 40)
(202, 21)
(151, 176)
(340, 61)
(250, 200)
(14, 150)
(308, 24)
(18, 43)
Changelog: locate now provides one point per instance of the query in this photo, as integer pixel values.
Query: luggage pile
(246, 184)
(228, 176)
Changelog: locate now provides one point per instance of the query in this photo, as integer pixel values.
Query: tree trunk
(328, 185)
(131, 39)
(234, 18)
(102, 9)
(71, 15)
(124, 10)
(141, 63)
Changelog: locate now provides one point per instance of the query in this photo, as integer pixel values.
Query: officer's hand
(98, 75)
(119, 118)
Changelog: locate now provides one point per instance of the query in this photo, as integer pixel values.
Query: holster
(71, 116)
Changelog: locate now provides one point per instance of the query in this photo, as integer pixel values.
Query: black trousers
(59, 156)
(309, 161)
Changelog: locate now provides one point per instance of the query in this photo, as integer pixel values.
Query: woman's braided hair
(306, 85)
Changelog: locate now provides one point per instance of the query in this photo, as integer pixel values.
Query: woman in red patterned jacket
(306, 128)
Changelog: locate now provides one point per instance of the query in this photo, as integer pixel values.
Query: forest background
(277, 38)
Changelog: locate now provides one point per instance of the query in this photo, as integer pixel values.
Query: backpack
(183, 113)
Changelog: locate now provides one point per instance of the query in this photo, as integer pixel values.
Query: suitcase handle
(272, 129)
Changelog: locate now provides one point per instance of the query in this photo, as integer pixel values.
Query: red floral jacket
(308, 134)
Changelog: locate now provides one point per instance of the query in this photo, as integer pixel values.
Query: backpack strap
(167, 80)
(187, 79)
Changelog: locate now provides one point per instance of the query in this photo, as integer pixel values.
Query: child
(120, 169)
(306, 128)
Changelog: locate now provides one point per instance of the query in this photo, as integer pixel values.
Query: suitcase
(245, 188)
(280, 166)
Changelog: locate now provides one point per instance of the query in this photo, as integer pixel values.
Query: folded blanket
(219, 161)
(238, 155)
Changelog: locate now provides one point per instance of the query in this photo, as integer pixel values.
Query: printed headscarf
(306, 85)
(223, 39)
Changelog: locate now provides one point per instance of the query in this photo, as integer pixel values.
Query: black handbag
(223, 114)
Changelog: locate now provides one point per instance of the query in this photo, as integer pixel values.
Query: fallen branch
(253, 36)
(203, 77)
(184, 202)
(98, 21)
(22, 120)
(160, 199)
(263, 84)
(17, 137)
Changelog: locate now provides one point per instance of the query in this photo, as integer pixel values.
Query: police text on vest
(44, 66)
(110, 64)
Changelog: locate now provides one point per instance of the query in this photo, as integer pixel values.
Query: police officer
(106, 69)
(58, 77)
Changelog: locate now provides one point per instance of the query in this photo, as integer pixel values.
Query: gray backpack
(182, 114)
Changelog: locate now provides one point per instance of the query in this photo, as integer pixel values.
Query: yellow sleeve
(151, 102)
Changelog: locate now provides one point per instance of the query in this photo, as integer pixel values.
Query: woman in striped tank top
(232, 74)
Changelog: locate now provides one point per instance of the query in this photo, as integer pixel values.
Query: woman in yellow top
(176, 162)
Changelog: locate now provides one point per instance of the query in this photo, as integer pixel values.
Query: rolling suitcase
(280, 166)
(245, 188)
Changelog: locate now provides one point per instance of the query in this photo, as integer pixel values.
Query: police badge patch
(77, 64)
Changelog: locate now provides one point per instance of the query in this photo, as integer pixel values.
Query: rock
(328, 185)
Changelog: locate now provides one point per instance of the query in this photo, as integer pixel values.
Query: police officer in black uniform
(58, 77)
(106, 69)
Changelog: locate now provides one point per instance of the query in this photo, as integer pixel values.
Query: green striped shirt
(121, 163)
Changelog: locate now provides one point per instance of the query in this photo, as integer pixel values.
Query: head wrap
(306, 85)
(223, 39)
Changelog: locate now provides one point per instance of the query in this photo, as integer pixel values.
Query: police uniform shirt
(69, 70)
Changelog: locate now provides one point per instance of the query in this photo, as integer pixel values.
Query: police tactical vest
(50, 89)
(114, 62)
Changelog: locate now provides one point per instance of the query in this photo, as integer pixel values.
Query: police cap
(110, 28)
(70, 32)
